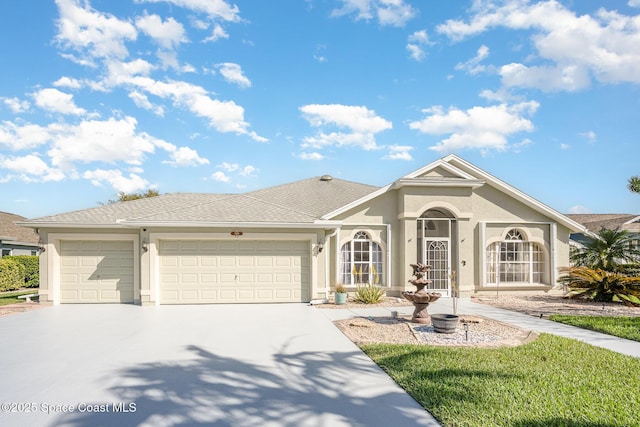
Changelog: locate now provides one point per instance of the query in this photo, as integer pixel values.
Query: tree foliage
(611, 250)
(634, 184)
(11, 275)
(31, 265)
(126, 197)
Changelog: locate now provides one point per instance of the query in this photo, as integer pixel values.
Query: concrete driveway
(235, 365)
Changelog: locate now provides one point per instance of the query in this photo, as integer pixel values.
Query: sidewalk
(466, 306)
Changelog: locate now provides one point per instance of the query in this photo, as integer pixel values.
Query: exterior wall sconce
(145, 245)
(41, 247)
(320, 246)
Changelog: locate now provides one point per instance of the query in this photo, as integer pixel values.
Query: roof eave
(318, 224)
(51, 224)
(430, 182)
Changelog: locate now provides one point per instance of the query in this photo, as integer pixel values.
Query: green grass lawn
(12, 297)
(552, 381)
(623, 327)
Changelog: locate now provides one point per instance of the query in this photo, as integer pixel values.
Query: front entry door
(438, 256)
(437, 231)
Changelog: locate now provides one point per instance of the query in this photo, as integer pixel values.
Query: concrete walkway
(466, 306)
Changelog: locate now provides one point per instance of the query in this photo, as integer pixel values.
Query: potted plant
(341, 294)
(447, 323)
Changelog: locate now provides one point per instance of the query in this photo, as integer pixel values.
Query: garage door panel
(96, 271)
(234, 271)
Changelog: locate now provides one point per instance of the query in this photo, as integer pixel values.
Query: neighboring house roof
(594, 222)
(9, 231)
(300, 202)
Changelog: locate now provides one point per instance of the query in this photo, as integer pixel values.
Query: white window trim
(369, 239)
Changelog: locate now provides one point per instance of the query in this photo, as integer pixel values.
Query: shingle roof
(297, 202)
(594, 222)
(9, 230)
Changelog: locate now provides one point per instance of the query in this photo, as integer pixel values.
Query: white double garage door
(188, 271)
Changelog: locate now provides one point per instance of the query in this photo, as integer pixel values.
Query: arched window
(361, 261)
(515, 261)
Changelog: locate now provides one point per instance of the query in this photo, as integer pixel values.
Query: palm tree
(610, 250)
(600, 285)
(634, 184)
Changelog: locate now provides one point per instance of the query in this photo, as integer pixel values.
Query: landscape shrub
(31, 264)
(369, 294)
(11, 274)
(600, 285)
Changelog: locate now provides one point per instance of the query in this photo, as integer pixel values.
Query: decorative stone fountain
(420, 298)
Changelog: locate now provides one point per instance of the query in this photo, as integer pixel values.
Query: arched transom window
(515, 261)
(361, 261)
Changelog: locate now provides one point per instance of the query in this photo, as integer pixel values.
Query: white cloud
(92, 33)
(16, 105)
(564, 146)
(590, 136)
(416, 44)
(399, 152)
(572, 49)
(311, 156)
(473, 66)
(357, 118)
(216, 34)
(361, 125)
(25, 136)
(168, 34)
(215, 9)
(549, 79)
(247, 171)
(220, 177)
(105, 141)
(388, 12)
(185, 156)
(115, 178)
(232, 73)
(229, 167)
(482, 128)
(56, 101)
(141, 100)
(31, 168)
(68, 82)
(224, 116)
(634, 3)
(395, 12)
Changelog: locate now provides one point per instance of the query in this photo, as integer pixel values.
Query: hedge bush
(11, 274)
(31, 264)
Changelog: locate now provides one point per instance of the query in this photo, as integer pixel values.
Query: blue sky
(98, 97)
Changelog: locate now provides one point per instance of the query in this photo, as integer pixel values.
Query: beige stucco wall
(483, 214)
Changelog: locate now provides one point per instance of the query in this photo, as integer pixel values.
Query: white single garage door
(96, 271)
(230, 271)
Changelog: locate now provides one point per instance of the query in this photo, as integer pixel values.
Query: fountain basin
(421, 297)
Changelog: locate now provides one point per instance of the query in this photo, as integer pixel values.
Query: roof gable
(454, 171)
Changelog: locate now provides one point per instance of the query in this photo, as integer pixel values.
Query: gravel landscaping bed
(535, 305)
(483, 332)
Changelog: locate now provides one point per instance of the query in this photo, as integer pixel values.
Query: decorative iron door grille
(437, 255)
